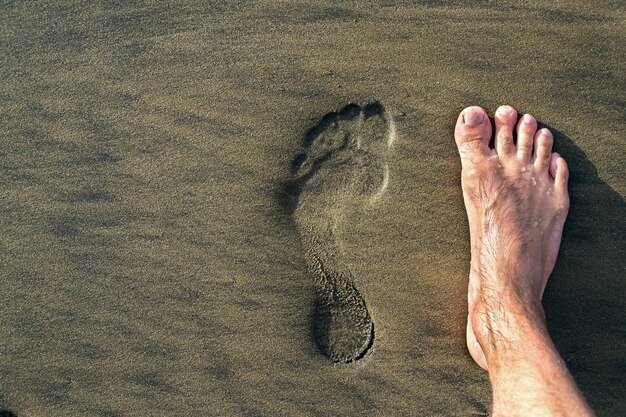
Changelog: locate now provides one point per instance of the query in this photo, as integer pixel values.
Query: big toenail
(505, 110)
(473, 117)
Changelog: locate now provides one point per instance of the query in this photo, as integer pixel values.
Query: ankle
(507, 322)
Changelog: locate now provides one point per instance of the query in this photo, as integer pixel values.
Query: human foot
(343, 170)
(516, 200)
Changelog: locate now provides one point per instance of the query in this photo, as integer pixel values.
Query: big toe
(472, 133)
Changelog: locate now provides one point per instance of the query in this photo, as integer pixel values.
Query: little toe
(505, 121)
(543, 149)
(526, 129)
(559, 171)
(472, 133)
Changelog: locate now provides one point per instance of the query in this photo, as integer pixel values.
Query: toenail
(473, 117)
(505, 111)
(528, 119)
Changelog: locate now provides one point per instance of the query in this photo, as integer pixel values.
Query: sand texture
(254, 209)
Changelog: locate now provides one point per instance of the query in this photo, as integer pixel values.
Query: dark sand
(150, 261)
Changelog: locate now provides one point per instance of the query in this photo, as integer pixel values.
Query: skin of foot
(517, 200)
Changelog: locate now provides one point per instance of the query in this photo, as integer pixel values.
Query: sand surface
(160, 256)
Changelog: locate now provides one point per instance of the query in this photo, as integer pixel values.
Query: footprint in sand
(343, 170)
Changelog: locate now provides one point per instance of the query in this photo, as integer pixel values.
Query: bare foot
(517, 201)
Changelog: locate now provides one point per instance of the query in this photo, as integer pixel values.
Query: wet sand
(153, 257)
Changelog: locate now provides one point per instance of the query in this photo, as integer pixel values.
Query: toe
(559, 171)
(526, 129)
(505, 121)
(543, 149)
(472, 133)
